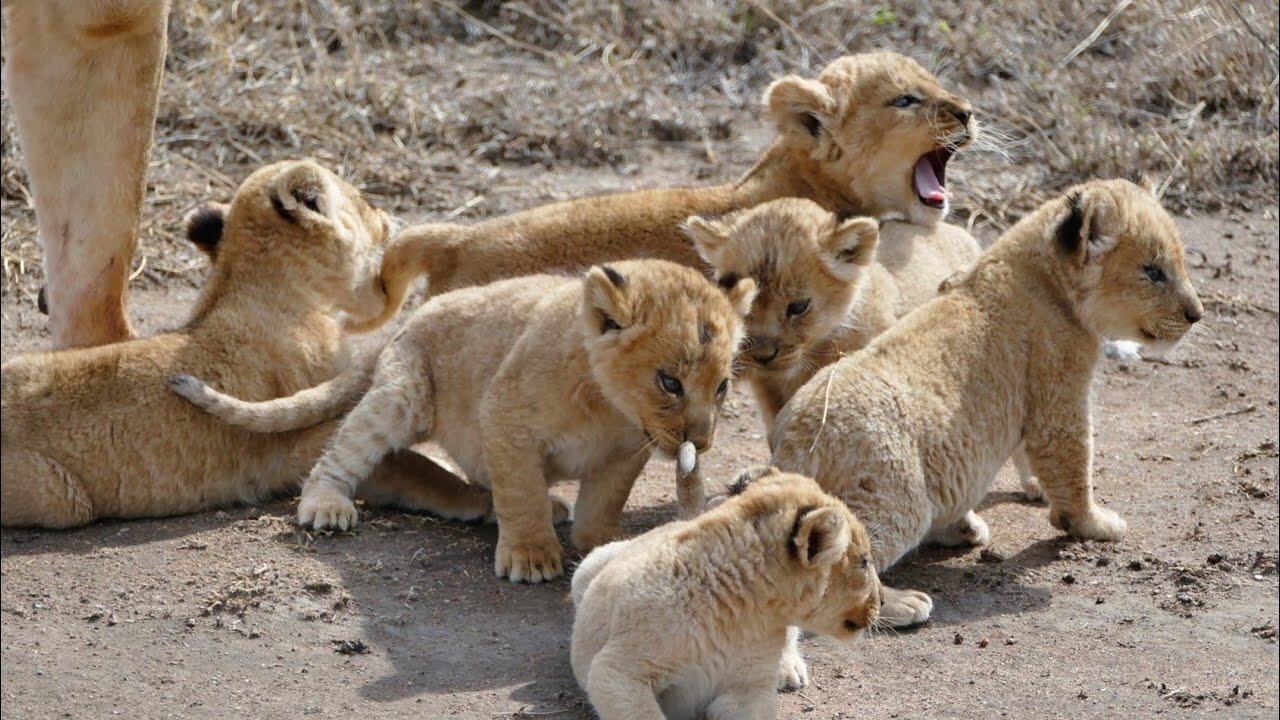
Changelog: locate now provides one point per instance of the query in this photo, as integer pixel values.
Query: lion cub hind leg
(395, 413)
(969, 531)
(904, 608)
(36, 491)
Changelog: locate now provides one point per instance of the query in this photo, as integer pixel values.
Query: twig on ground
(1218, 416)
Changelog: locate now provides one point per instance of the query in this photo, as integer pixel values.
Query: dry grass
(443, 108)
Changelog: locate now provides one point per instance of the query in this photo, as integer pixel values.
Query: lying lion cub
(93, 433)
(523, 382)
(871, 135)
(910, 430)
(690, 619)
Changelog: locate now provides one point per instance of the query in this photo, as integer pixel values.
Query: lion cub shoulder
(780, 552)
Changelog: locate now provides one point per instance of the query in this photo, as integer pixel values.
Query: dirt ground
(239, 613)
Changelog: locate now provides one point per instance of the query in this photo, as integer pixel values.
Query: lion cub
(910, 430)
(527, 381)
(690, 619)
(92, 433)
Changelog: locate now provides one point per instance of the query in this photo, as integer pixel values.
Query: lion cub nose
(962, 115)
(1192, 314)
(764, 351)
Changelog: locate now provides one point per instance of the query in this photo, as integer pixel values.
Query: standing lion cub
(524, 382)
(910, 430)
(690, 619)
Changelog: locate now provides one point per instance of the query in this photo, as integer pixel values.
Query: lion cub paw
(969, 530)
(793, 672)
(323, 509)
(533, 561)
(1098, 523)
(904, 608)
(1031, 488)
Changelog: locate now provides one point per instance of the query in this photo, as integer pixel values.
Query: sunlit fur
(94, 433)
(691, 619)
(525, 382)
(839, 143)
(911, 430)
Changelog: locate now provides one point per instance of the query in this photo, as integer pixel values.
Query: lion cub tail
(418, 250)
(302, 409)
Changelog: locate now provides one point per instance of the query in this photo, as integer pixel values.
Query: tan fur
(825, 288)
(83, 78)
(910, 430)
(691, 619)
(531, 380)
(840, 143)
(93, 433)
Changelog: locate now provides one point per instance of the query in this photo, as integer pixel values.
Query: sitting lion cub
(690, 619)
(527, 381)
(910, 430)
(93, 433)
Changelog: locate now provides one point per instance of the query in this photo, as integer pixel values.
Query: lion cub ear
(605, 300)
(740, 291)
(204, 227)
(851, 246)
(709, 237)
(1085, 232)
(302, 190)
(820, 536)
(799, 108)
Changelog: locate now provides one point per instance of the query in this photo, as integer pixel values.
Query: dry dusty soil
(238, 613)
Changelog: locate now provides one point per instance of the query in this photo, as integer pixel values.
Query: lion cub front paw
(1098, 523)
(904, 608)
(327, 509)
(970, 530)
(532, 560)
(793, 672)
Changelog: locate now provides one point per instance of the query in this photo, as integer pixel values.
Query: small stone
(1137, 565)
(959, 639)
(983, 643)
(1103, 561)
(1068, 579)
(1010, 641)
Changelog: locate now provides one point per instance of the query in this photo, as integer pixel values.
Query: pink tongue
(927, 182)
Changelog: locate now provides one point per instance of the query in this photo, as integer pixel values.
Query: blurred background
(442, 109)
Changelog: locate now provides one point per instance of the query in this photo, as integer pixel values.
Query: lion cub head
(807, 263)
(810, 536)
(661, 340)
(1126, 254)
(299, 216)
(880, 126)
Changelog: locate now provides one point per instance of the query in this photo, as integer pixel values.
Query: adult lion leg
(37, 491)
(84, 78)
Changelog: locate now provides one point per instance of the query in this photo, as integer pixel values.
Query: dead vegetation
(420, 102)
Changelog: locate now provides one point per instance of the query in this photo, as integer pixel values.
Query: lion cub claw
(793, 672)
(327, 509)
(531, 561)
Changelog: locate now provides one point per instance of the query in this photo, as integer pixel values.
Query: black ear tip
(728, 281)
(614, 276)
(205, 226)
(1069, 231)
(746, 477)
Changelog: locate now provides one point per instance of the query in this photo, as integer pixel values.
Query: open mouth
(930, 177)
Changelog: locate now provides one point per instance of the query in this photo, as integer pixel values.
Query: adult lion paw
(1097, 524)
(323, 509)
(533, 560)
(904, 608)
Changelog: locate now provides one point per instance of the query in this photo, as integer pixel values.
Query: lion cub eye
(1154, 273)
(798, 308)
(904, 101)
(724, 387)
(669, 384)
